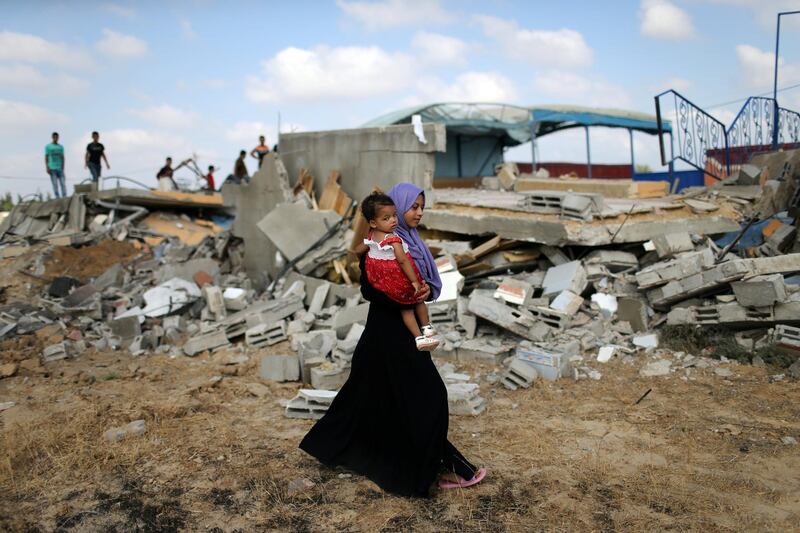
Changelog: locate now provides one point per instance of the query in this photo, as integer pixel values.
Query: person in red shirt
(210, 179)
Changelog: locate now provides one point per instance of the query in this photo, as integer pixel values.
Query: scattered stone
(7, 370)
(660, 367)
(137, 427)
(299, 485)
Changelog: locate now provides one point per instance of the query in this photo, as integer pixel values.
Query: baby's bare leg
(422, 313)
(410, 321)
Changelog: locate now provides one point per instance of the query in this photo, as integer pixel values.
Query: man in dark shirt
(240, 172)
(261, 150)
(95, 152)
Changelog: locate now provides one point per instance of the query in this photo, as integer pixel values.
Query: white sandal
(428, 331)
(426, 344)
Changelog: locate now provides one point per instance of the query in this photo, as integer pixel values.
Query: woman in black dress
(389, 421)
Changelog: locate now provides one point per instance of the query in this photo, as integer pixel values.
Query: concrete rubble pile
(537, 283)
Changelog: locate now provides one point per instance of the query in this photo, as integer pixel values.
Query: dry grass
(700, 453)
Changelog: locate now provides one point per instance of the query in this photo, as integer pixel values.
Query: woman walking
(389, 421)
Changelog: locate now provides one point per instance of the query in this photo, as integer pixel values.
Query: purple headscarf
(404, 195)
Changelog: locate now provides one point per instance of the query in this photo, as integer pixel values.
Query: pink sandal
(463, 483)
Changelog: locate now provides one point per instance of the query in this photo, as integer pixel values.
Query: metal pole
(588, 154)
(775, 116)
(671, 159)
(633, 161)
(533, 147)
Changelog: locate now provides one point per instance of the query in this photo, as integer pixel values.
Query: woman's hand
(423, 293)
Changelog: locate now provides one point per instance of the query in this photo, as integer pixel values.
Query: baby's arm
(405, 265)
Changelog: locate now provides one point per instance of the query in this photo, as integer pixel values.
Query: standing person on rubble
(261, 150)
(95, 152)
(240, 172)
(54, 165)
(389, 421)
(164, 177)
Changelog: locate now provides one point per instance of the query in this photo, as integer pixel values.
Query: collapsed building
(544, 278)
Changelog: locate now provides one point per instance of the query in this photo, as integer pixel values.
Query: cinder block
(550, 365)
(214, 301)
(670, 244)
(328, 377)
(209, 341)
(519, 374)
(760, 292)
(280, 368)
(266, 335)
(633, 311)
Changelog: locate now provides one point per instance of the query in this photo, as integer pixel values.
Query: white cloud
(676, 83)
(16, 116)
(394, 13)
(662, 19)
(119, 45)
(167, 116)
(296, 74)
(33, 49)
(758, 68)
(568, 87)
(187, 30)
(765, 11)
(121, 11)
(482, 87)
(26, 77)
(437, 49)
(562, 48)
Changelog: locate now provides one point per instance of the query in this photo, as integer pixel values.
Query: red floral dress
(384, 272)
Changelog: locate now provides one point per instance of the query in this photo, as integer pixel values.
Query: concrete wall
(252, 202)
(366, 157)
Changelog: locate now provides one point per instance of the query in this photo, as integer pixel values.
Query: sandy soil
(701, 452)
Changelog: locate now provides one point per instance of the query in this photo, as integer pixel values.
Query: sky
(205, 78)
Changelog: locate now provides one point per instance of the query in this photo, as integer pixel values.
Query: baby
(391, 269)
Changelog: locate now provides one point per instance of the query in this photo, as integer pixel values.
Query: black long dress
(389, 421)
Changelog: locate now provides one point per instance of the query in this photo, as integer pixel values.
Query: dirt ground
(700, 452)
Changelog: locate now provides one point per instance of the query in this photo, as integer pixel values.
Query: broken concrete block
(235, 298)
(613, 260)
(482, 349)
(605, 353)
(514, 291)
(646, 341)
(280, 368)
(669, 244)
(329, 377)
(569, 276)
(266, 334)
(554, 255)
(761, 291)
(55, 352)
(567, 302)
(684, 288)
(169, 297)
(294, 228)
(346, 317)
(519, 374)
(215, 303)
(787, 339)
(633, 311)
(126, 328)
(113, 277)
(581, 206)
(464, 399)
(678, 268)
(209, 341)
(550, 364)
(318, 298)
(519, 321)
(749, 175)
(310, 404)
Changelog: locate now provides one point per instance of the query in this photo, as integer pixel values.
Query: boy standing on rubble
(54, 164)
(95, 151)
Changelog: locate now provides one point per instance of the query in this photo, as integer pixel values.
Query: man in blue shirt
(54, 164)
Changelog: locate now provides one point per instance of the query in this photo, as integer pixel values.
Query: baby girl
(391, 269)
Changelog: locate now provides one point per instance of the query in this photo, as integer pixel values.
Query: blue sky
(204, 77)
